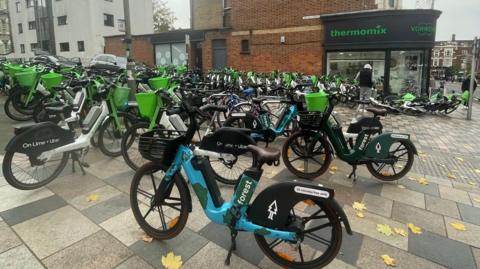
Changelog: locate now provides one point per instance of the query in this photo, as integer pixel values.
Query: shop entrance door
(219, 48)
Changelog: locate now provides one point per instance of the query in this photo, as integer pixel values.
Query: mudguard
(42, 137)
(272, 206)
(379, 147)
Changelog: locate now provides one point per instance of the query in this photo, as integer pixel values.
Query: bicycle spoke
(275, 243)
(145, 193)
(318, 227)
(162, 217)
(300, 252)
(318, 239)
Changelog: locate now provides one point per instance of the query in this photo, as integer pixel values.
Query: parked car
(56, 60)
(108, 61)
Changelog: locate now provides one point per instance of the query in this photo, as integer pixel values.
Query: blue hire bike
(297, 225)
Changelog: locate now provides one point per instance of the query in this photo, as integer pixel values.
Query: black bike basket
(160, 145)
(310, 120)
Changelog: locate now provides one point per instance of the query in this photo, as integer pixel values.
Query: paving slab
(372, 250)
(439, 249)
(350, 248)
(71, 186)
(476, 255)
(469, 214)
(134, 262)
(378, 205)
(213, 256)
(19, 257)
(55, 230)
(8, 239)
(430, 189)
(102, 194)
(121, 181)
(3, 182)
(441, 206)
(404, 195)
(420, 217)
(467, 187)
(107, 209)
(368, 185)
(12, 197)
(475, 198)
(25, 212)
(454, 195)
(197, 219)
(99, 250)
(107, 168)
(440, 181)
(186, 244)
(470, 236)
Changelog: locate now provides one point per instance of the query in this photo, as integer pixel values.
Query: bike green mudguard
(466, 96)
(379, 147)
(408, 97)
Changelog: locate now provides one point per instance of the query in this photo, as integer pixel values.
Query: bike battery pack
(91, 118)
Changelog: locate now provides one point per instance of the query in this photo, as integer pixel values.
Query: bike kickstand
(354, 173)
(80, 164)
(233, 246)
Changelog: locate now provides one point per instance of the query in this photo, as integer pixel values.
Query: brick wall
(141, 46)
(207, 14)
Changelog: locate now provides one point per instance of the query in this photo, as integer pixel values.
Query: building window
(22, 48)
(436, 53)
(33, 46)
(447, 62)
(245, 46)
(65, 46)
(20, 28)
(109, 0)
(29, 3)
(32, 25)
(18, 6)
(435, 62)
(464, 52)
(108, 20)
(62, 20)
(81, 46)
(448, 52)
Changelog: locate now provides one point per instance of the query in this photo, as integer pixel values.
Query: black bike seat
(265, 155)
(377, 111)
(59, 109)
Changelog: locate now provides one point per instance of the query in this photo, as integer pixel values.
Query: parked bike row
(217, 128)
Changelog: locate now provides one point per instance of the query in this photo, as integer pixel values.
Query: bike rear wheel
(403, 155)
(28, 172)
(129, 145)
(13, 113)
(320, 238)
(160, 218)
(110, 135)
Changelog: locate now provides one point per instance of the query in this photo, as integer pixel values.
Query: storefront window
(348, 64)
(406, 70)
(175, 53)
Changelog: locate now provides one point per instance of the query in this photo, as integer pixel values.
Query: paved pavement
(56, 227)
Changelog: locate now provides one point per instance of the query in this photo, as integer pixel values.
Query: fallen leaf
(289, 153)
(414, 229)
(360, 215)
(92, 198)
(423, 181)
(472, 183)
(400, 231)
(398, 166)
(309, 202)
(285, 256)
(412, 178)
(452, 177)
(333, 168)
(301, 168)
(442, 165)
(422, 155)
(477, 171)
(386, 174)
(388, 260)
(459, 158)
(359, 206)
(384, 229)
(458, 226)
(172, 261)
(401, 186)
(476, 200)
(147, 238)
(172, 223)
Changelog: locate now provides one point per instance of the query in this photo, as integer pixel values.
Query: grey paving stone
(441, 206)
(439, 249)
(103, 193)
(351, 245)
(470, 236)
(247, 249)
(469, 213)
(368, 185)
(476, 255)
(25, 212)
(430, 189)
(71, 186)
(121, 179)
(55, 230)
(99, 250)
(134, 262)
(19, 258)
(372, 250)
(454, 195)
(213, 256)
(378, 205)
(186, 244)
(107, 168)
(107, 209)
(420, 217)
(8, 239)
(12, 197)
(404, 195)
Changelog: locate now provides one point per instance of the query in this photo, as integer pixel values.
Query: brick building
(452, 59)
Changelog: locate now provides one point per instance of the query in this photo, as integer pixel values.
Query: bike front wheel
(110, 135)
(129, 145)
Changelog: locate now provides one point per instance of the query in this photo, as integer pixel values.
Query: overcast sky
(461, 17)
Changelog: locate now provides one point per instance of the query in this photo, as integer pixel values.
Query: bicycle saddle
(265, 155)
(377, 111)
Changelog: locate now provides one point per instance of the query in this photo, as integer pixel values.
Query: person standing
(466, 87)
(365, 78)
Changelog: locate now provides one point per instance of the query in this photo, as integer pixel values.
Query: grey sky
(461, 17)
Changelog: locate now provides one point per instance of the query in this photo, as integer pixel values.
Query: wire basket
(160, 145)
(310, 120)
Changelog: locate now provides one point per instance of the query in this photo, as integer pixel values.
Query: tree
(163, 17)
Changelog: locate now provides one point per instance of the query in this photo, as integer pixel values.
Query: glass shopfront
(406, 71)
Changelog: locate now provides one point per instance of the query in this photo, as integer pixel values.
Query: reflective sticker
(400, 136)
(312, 192)
(239, 114)
(378, 147)
(272, 209)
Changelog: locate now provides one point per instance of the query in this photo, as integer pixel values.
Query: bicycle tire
(9, 108)
(128, 141)
(117, 134)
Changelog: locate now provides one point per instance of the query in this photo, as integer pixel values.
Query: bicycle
(158, 187)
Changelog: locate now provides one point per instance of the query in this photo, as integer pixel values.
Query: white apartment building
(5, 42)
(73, 28)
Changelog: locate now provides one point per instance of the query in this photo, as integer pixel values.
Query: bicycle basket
(160, 145)
(159, 83)
(120, 97)
(27, 79)
(51, 80)
(316, 102)
(310, 120)
(147, 104)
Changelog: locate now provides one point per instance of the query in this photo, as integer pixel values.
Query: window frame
(29, 3)
(20, 28)
(82, 47)
(245, 46)
(32, 25)
(18, 6)
(61, 17)
(22, 48)
(105, 20)
(62, 49)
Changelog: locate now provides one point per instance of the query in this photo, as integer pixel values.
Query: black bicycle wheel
(110, 135)
(12, 112)
(229, 171)
(129, 145)
(403, 156)
(160, 217)
(319, 238)
(453, 106)
(29, 172)
(306, 155)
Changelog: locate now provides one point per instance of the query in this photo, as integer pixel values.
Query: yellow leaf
(172, 223)
(309, 202)
(476, 200)
(414, 229)
(388, 260)
(333, 168)
(422, 155)
(458, 226)
(423, 181)
(477, 171)
(359, 206)
(172, 261)
(360, 215)
(384, 229)
(92, 198)
(285, 256)
(147, 238)
(401, 186)
(289, 153)
(301, 168)
(459, 158)
(452, 177)
(472, 183)
(398, 166)
(385, 174)
(400, 231)
(412, 178)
